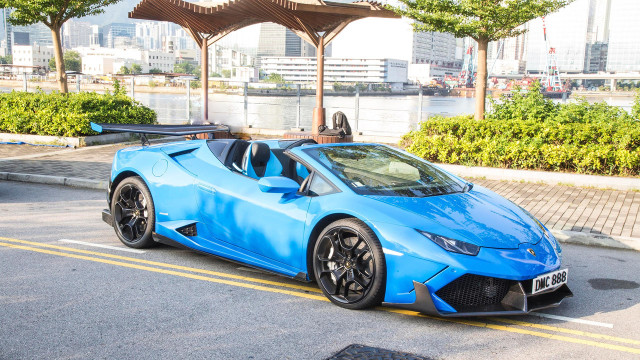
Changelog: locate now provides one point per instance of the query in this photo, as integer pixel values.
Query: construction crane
(551, 82)
(468, 73)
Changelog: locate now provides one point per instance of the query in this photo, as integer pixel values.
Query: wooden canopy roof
(212, 20)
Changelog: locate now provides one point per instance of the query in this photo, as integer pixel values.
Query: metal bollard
(246, 103)
(189, 102)
(356, 117)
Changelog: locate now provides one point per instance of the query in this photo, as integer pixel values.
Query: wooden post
(204, 80)
(318, 111)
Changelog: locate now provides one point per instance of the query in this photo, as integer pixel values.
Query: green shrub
(530, 132)
(68, 114)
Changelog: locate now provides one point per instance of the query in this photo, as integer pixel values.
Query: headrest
(260, 154)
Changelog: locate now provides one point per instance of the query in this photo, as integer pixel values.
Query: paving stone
(606, 212)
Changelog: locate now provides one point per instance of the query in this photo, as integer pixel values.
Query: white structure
(76, 34)
(32, 55)
(624, 27)
(375, 38)
(158, 60)
(303, 69)
(103, 61)
(221, 59)
(425, 73)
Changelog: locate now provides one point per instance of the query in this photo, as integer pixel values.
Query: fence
(276, 107)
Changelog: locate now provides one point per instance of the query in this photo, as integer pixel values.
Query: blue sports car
(369, 223)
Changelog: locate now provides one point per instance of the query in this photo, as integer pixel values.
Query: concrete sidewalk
(575, 214)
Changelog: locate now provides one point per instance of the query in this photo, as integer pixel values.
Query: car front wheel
(349, 265)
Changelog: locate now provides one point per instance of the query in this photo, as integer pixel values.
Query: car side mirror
(278, 184)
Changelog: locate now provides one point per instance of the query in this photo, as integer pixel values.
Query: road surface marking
(169, 272)
(522, 331)
(135, 251)
(171, 266)
(564, 330)
(315, 297)
(564, 318)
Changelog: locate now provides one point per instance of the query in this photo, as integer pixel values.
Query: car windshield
(380, 170)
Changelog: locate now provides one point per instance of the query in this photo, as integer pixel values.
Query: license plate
(549, 281)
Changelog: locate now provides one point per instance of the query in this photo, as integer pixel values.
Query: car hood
(480, 217)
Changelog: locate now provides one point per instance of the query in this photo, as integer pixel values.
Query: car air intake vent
(189, 230)
(474, 290)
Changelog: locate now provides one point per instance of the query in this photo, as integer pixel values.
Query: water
(378, 115)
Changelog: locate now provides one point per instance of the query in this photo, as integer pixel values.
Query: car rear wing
(171, 130)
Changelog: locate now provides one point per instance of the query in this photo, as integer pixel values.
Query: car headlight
(452, 245)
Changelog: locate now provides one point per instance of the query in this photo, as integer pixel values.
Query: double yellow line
(310, 292)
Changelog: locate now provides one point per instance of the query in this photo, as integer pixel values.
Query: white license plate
(549, 281)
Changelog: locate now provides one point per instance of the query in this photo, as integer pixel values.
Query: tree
(8, 59)
(481, 20)
(136, 69)
(72, 62)
(155, 71)
(275, 78)
(124, 70)
(53, 13)
(184, 67)
(226, 73)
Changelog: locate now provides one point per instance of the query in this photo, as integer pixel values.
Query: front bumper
(107, 217)
(516, 301)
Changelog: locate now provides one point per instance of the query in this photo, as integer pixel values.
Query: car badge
(531, 252)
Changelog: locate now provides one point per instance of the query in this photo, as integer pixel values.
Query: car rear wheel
(133, 213)
(349, 265)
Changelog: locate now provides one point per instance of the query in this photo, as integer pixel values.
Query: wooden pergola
(316, 21)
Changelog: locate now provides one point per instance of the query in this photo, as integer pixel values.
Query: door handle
(207, 188)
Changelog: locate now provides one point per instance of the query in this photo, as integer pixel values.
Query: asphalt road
(64, 299)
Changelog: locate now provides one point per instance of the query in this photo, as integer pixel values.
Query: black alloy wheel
(133, 213)
(349, 265)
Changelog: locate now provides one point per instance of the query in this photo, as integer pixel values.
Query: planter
(70, 141)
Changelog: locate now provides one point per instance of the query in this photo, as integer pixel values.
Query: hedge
(68, 114)
(530, 132)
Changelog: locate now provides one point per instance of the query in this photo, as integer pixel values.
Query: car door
(268, 224)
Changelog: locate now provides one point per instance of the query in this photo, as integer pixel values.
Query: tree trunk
(61, 76)
(481, 78)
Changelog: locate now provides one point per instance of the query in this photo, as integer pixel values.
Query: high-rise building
(6, 30)
(277, 40)
(118, 35)
(375, 38)
(38, 34)
(624, 27)
(76, 34)
(566, 32)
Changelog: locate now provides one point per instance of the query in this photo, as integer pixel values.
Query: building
(104, 61)
(35, 34)
(223, 59)
(32, 55)
(425, 73)
(375, 38)
(158, 60)
(76, 34)
(623, 53)
(303, 69)
(276, 41)
(6, 30)
(118, 35)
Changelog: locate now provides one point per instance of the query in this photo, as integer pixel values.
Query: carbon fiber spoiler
(171, 130)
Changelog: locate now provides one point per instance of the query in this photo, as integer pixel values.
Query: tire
(133, 213)
(347, 256)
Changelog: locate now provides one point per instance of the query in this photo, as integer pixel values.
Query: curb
(546, 177)
(599, 240)
(563, 236)
(55, 180)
